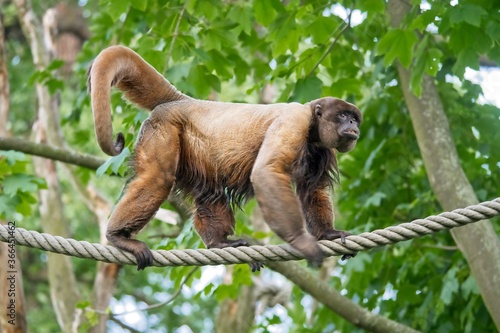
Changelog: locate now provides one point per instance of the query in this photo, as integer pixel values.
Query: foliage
(230, 51)
(17, 186)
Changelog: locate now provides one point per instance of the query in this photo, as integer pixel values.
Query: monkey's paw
(254, 266)
(335, 234)
(144, 257)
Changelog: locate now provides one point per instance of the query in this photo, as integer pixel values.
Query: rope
(255, 253)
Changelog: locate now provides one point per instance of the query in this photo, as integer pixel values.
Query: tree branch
(157, 305)
(330, 48)
(174, 36)
(51, 152)
(123, 325)
(333, 300)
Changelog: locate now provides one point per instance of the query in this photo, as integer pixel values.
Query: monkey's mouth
(350, 135)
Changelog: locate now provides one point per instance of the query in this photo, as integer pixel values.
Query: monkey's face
(347, 130)
(336, 124)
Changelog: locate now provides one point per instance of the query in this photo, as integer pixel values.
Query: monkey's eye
(342, 116)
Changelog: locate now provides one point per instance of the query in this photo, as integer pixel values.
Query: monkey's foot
(140, 250)
(335, 234)
(229, 243)
(144, 258)
(254, 266)
(307, 245)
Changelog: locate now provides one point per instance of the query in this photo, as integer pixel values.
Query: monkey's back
(216, 164)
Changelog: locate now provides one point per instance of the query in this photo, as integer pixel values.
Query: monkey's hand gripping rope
(250, 254)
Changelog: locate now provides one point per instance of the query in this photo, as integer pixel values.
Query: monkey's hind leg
(156, 158)
(214, 223)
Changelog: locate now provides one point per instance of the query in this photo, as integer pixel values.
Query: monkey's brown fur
(221, 154)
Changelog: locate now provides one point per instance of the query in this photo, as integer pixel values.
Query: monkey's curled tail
(141, 83)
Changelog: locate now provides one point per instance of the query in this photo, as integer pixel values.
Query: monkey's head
(335, 124)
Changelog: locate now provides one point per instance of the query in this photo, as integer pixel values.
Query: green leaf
(24, 208)
(208, 8)
(422, 21)
(283, 35)
(208, 289)
(360, 263)
(203, 81)
(220, 64)
(54, 85)
(83, 304)
(225, 291)
(307, 89)
(371, 6)
(113, 162)
(116, 8)
(450, 286)
(139, 4)
(375, 200)
(371, 157)
(13, 156)
(55, 64)
(346, 86)
(427, 60)
(493, 30)
(19, 182)
(264, 14)
(243, 15)
(469, 286)
(8, 205)
(397, 43)
(220, 34)
(467, 12)
(467, 58)
(408, 294)
(242, 275)
(178, 72)
(321, 28)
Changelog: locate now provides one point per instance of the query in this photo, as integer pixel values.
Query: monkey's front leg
(281, 211)
(318, 210)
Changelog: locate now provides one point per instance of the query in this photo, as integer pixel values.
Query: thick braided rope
(244, 254)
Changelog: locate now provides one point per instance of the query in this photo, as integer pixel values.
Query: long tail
(141, 83)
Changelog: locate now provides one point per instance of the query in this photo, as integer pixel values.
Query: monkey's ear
(317, 110)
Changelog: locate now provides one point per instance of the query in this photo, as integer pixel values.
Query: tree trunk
(107, 274)
(4, 81)
(63, 287)
(12, 302)
(104, 288)
(236, 315)
(478, 241)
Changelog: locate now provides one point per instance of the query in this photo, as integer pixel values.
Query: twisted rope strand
(249, 254)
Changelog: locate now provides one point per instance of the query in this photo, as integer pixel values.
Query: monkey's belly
(206, 187)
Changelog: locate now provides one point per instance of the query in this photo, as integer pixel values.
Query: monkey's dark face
(348, 130)
(336, 124)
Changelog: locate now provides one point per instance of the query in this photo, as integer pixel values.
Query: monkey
(221, 154)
